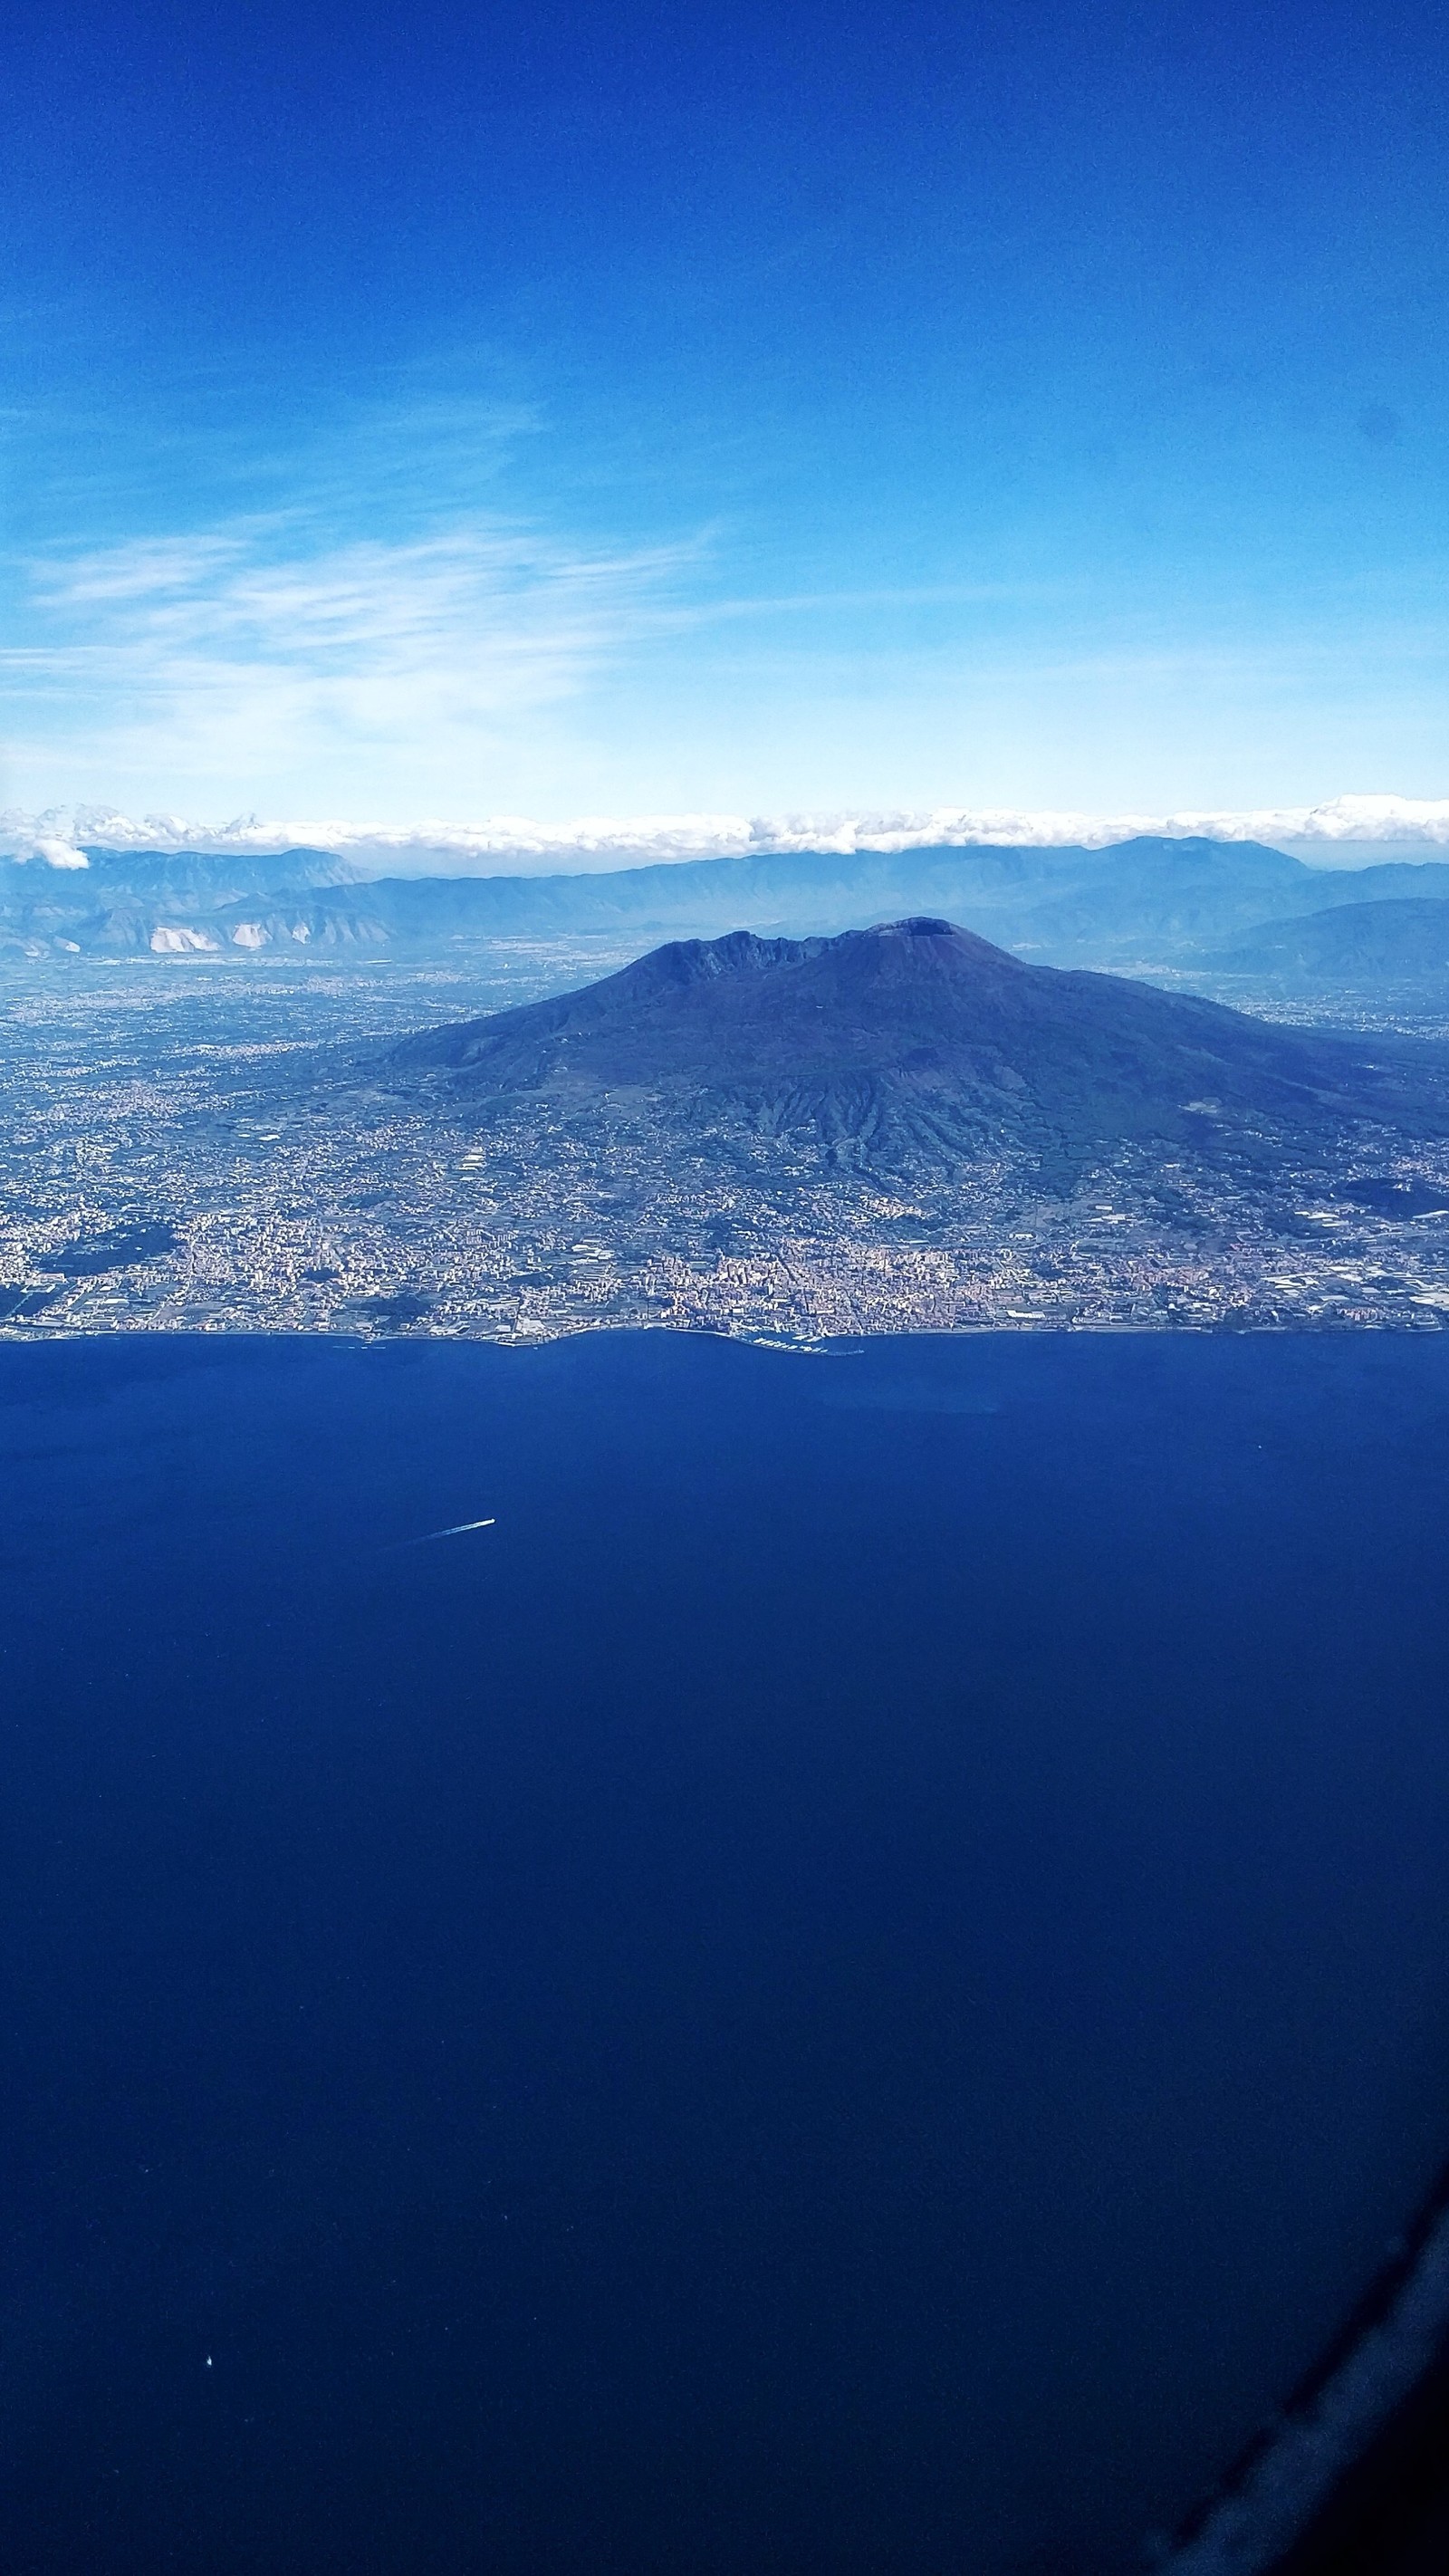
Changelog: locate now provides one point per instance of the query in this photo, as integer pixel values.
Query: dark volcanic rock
(918, 1036)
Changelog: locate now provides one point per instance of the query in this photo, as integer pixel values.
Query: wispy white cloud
(139, 574)
(371, 638)
(248, 650)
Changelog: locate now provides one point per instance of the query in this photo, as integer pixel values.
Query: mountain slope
(1354, 943)
(918, 1036)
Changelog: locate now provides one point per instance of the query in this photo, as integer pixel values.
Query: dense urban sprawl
(177, 1156)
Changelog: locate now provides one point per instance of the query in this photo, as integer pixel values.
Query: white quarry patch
(250, 934)
(168, 941)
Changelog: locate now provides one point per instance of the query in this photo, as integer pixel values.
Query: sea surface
(854, 1985)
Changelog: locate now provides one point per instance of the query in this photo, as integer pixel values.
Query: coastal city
(724, 1290)
(187, 1152)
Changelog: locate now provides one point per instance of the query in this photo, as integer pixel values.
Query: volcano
(918, 1036)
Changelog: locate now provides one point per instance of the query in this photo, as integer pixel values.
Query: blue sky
(620, 409)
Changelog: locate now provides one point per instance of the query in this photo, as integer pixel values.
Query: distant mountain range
(917, 1041)
(1355, 946)
(1142, 904)
(128, 902)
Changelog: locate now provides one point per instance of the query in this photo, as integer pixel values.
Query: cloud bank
(505, 845)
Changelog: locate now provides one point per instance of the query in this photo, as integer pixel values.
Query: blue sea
(850, 1989)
